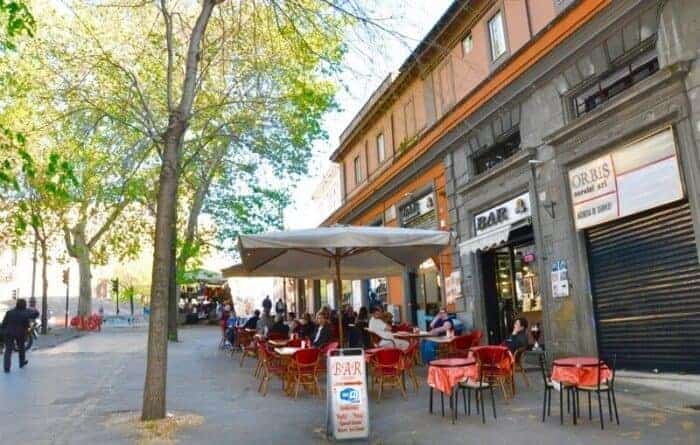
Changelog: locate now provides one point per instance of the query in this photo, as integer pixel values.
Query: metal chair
(606, 386)
(518, 367)
(478, 387)
(387, 369)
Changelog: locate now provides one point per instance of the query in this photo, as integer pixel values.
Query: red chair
(387, 369)
(302, 370)
(403, 327)
(325, 352)
(496, 363)
(459, 348)
(477, 335)
(270, 364)
(294, 343)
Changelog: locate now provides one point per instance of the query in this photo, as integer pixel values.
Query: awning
(485, 241)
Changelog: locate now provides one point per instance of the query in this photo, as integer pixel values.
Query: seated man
(252, 322)
(279, 326)
(383, 330)
(518, 338)
(322, 335)
(441, 324)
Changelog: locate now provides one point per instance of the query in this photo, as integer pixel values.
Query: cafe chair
(548, 385)
(497, 366)
(294, 343)
(270, 364)
(479, 387)
(249, 346)
(302, 371)
(459, 347)
(518, 367)
(325, 351)
(387, 370)
(602, 385)
(477, 334)
(409, 363)
(277, 336)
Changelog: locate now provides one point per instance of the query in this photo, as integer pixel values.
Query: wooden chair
(601, 386)
(271, 364)
(409, 363)
(519, 368)
(387, 370)
(248, 345)
(302, 371)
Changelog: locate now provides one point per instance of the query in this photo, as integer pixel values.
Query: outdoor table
(443, 343)
(412, 335)
(578, 371)
(287, 350)
(278, 343)
(444, 374)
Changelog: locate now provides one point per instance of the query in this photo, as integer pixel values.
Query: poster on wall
(347, 409)
(560, 279)
(453, 287)
(629, 180)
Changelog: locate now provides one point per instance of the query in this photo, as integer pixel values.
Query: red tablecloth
(580, 371)
(444, 374)
(506, 362)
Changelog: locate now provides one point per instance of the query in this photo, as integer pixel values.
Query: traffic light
(66, 273)
(115, 285)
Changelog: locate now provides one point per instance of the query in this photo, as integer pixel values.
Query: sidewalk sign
(347, 407)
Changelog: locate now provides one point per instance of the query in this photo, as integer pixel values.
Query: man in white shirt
(383, 330)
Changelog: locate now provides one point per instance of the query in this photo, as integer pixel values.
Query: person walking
(280, 307)
(267, 303)
(15, 326)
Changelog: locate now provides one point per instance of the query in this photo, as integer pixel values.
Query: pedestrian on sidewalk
(14, 327)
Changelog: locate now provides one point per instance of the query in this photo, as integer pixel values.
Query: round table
(287, 350)
(278, 343)
(579, 371)
(444, 374)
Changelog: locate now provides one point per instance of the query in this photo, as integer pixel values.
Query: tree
(17, 20)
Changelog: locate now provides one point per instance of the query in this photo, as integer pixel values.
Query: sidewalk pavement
(72, 394)
(54, 337)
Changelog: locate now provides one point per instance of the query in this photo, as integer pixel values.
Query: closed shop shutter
(645, 279)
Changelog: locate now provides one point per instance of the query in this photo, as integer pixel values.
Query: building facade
(560, 140)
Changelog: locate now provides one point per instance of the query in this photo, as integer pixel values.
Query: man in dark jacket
(15, 326)
(323, 332)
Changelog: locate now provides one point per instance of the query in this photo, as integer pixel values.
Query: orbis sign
(626, 181)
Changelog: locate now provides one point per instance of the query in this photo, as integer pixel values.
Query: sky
(364, 67)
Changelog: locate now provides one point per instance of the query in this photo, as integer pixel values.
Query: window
(358, 170)
(467, 44)
(381, 154)
(497, 153)
(615, 82)
(497, 36)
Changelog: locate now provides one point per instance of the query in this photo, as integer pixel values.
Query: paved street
(70, 394)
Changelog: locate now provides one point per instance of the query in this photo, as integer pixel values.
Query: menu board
(628, 180)
(347, 405)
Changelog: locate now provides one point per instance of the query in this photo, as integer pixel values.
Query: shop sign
(626, 181)
(417, 208)
(507, 213)
(453, 287)
(560, 279)
(347, 407)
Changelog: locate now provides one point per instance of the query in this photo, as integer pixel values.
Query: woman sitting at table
(518, 338)
(279, 327)
(305, 327)
(378, 326)
(323, 333)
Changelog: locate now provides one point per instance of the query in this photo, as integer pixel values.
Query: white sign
(453, 287)
(626, 181)
(347, 405)
(560, 279)
(507, 213)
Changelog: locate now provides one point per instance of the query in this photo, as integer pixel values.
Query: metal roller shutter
(646, 290)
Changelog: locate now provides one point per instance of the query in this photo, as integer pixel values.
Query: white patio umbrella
(336, 253)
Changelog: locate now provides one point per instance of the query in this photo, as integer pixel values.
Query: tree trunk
(44, 287)
(85, 275)
(172, 291)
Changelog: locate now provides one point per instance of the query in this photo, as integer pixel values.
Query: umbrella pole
(339, 295)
